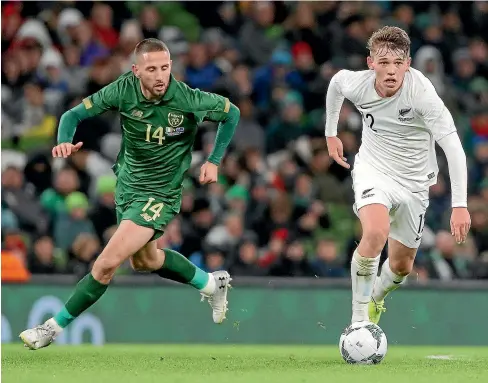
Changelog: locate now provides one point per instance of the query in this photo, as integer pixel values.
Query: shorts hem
(404, 243)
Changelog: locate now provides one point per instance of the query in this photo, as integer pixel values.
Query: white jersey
(399, 132)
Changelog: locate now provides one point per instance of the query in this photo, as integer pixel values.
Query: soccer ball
(363, 343)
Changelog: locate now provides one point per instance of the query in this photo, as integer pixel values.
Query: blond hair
(389, 39)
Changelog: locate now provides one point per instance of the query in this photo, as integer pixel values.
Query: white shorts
(407, 209)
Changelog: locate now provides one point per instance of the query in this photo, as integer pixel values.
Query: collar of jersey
(170, 92)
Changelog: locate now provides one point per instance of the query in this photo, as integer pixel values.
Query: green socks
(178, 268)
(86, 293)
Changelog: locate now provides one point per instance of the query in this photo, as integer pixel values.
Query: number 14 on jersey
(157, 133)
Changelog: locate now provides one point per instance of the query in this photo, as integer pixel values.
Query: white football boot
(42, 335)
(218, 300)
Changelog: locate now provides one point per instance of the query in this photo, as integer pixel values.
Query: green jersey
(158, 136)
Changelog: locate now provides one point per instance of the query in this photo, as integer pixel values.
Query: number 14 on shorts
(152, 207)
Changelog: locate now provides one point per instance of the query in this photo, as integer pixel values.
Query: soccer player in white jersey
(396, 164)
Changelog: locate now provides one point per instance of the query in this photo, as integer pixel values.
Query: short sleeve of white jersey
(432, 110)
(344, 84)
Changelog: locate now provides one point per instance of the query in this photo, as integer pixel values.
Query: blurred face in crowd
(484, 193)
(44, 248)
(246, 108)
(303, 186)
(276, 245)
(305, 61)
(465, 68)
(187, 201)
(234, 226)
(305, 17)
(204, 218)
(478, 50)
(253, 160)
(479, 219)
(404, 13)
(259, 192)
(390, 66)
(66, 181)
(238, 205)
(321, 161)
(445, 243)
(452, 22)
(32, 53)
(198, 56)
(78, 213)
(292, 112)
(481, 153)
(81, 33)
(248, 252)
(356, 30)
(33, 94)
(11, 68)
(231, 167)
(295, 251)
(174, 232)
(107, 199)
(72, 55)
(153, 70)
(241, 76)
(102, 15)
(264, 13)
(327, 250)
(433, 33)
(86, 246)
(214, 261)
(12, 178)
(280, 208)
(150, 18)
(349, 141)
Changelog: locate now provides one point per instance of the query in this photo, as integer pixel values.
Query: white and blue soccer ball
(363, 343)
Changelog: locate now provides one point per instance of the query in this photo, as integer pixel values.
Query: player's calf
(395, 269)
(127, 240)
(365, 261)
(178, 268)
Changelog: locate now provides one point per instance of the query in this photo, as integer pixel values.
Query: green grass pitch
(237, 364)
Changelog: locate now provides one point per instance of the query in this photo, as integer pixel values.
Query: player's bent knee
(147, 260)
(104, 268)
(140, 265)
(402, 267)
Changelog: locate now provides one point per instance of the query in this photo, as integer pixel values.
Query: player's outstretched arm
(225, 132)
(439, 121)
(66, 131)
(333, 103)
(456, 161)
(105, 99)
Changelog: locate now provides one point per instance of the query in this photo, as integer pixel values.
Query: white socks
(386, 282)
(363, 275)
(210, 287)
(54, 325)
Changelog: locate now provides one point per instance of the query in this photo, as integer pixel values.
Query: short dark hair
(150, 45)
(392, 38)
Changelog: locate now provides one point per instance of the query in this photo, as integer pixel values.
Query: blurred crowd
(281, 207)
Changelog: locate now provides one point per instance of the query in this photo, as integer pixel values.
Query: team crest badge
(175, 119)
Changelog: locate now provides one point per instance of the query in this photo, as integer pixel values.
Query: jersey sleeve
(107, 98)
(344, 84)
(210, 106)
(434, 113)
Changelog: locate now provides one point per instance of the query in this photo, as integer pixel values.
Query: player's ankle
(54, 325)
(210, 287)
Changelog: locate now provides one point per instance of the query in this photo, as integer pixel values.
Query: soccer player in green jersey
(159, 117)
